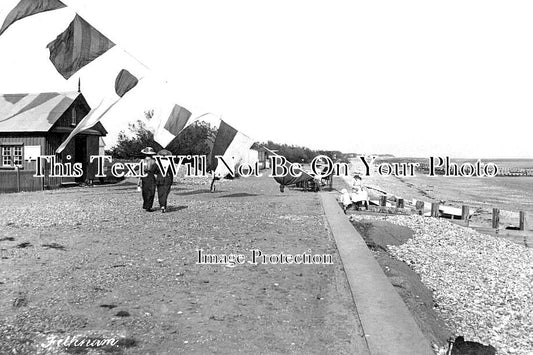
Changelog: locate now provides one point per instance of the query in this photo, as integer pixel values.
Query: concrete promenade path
(388, 325)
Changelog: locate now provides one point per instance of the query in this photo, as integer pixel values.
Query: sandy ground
(90, 262)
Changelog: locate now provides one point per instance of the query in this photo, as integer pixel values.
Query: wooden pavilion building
(34, 125)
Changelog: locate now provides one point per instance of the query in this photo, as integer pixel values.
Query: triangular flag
(171, 122)
(77, 46)
(27, 8)
(125, 82)
(232, 145)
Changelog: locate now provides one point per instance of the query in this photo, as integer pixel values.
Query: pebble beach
(482, 285)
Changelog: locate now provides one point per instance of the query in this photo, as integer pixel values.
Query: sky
(409, 78)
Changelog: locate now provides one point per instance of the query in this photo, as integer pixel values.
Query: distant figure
(345, 199)
(357, 182)
(325, 178)
(164, 183)
(359, 194)
(148, 182)
(215, 178)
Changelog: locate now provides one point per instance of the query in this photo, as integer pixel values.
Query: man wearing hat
(164, 183)
(148, 181)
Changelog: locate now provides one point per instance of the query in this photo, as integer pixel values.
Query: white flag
(90, 120)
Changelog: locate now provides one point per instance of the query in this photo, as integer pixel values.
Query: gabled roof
(33, 112)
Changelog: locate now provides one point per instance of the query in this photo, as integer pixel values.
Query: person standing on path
(164, 182)
(215, 178)
(148, 181)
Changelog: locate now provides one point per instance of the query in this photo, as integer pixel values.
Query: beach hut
(251, 157)
(34, 125)
(262, 156)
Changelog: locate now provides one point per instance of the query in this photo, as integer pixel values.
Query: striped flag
(77, 46)
(27, 8)
(210, 141)
(232, 145)
(171, 122)
(123, 84)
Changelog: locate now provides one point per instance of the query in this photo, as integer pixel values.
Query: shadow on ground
(242, 194)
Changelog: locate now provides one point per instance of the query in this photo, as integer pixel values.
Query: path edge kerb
(387, 322)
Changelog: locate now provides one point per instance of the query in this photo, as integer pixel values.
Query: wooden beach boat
(445, 211)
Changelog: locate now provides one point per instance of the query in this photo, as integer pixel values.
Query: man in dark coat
(164, 183)
(148, 182)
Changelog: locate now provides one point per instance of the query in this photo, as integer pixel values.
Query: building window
(12, 155)
(74, 117)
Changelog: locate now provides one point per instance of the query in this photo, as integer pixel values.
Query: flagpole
(137, 60)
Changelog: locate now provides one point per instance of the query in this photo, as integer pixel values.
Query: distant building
(101, 148)
(262, 156)
(36, 124)
(252, 157)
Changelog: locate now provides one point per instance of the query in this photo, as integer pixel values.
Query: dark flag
(77, 46)
(27, 8)
(125, 82)
(171, 124)
(232, 145)
(210, 141)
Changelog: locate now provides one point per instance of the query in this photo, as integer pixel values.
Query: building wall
(253, 157)
(101, 150)
(14, 180)
(80, 109)
(52, 142)
(93, 148)
(26, 140)
(264, 162)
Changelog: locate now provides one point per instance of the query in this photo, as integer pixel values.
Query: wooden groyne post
(434, 209)
(522, 221)
(465, 214)
(399, 203)
(495, 217)
(420, 207)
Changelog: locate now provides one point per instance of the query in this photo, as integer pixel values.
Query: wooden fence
(19, 180)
